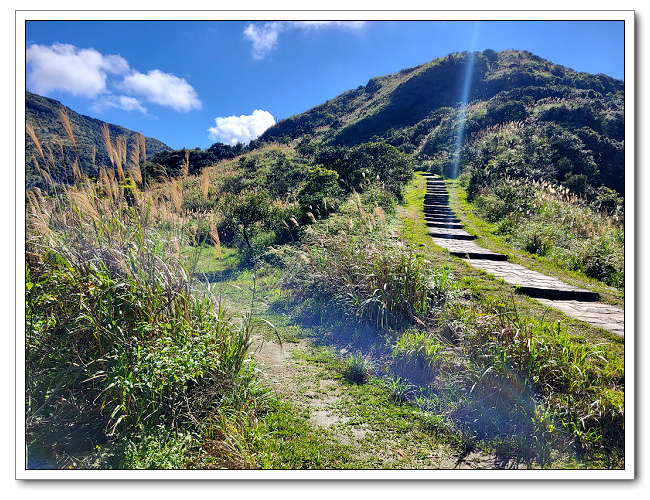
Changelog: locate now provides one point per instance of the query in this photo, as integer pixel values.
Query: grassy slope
(369, 430)
(363, 428)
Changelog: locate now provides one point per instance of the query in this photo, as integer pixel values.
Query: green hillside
(572, 122)
(43, 114)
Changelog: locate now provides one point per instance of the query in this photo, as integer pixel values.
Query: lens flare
(463, 105)
(462, 116)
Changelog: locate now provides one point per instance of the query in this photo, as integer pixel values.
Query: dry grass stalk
(65, 121)
(120, 146)
(140, 140)
(120, 156)
(51, 160)
(214, 238)
(381, 215)
(135, 174)
(46, 175)
(205, 183)
(83, 202)
(134, 171)
(104, 182)
(76, 171)
(186, 165)
(33, 202)
(175, 195)
(32, 134)
(106, 134)
(114, 185)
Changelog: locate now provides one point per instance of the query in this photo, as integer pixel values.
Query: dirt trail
(326, 399)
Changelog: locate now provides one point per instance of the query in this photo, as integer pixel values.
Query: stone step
(558, 294)
(452, 236)
(433, 206)
(441, 219)
(464, 248)
(445, 225)
(438, 206)
(596, 314)
(438, 211)
(535, 284)
(447, 231)
(474, 255)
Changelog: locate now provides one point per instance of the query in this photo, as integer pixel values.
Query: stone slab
(466, 248)
(447, 233)
(596, 314)
(533, 283)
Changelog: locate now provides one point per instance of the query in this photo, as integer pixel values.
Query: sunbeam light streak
(463, 105)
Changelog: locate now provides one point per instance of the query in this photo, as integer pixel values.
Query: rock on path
(447, 231)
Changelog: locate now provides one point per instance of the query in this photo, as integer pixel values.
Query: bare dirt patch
(330, 405)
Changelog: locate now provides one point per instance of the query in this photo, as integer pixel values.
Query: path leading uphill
(447, 232)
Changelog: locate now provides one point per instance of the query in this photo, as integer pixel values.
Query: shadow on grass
(327, 324)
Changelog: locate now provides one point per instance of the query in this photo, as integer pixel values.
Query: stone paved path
(447, 231)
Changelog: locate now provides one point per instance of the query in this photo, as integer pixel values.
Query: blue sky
(194, 83)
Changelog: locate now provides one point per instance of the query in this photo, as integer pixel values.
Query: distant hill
(578, 117)
(43, 114)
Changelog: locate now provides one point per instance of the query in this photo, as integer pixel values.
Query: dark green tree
(321, 193)
(245, 211)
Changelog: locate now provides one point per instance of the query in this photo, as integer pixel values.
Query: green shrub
(415, 356)
(320, 193)
(116, 342)
(356, 369)
(382, 282)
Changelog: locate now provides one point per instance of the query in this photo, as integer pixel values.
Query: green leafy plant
(356, 369)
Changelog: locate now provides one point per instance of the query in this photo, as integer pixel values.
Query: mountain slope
(572, 123)
(406, 98)
(43, 114)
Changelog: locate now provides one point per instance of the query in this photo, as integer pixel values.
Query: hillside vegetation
(147, 282)
(43, 114)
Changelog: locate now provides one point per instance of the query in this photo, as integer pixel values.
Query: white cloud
(121, 102)
(244, 128)
(265, 37)
(162, 88)
(326, 24)
(87, 73)
(81, 72)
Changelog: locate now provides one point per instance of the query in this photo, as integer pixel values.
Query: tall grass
(554, 223)
(523, 387)
(380, 280)
(118, 341)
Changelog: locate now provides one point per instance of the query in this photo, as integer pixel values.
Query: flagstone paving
(447, 231)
